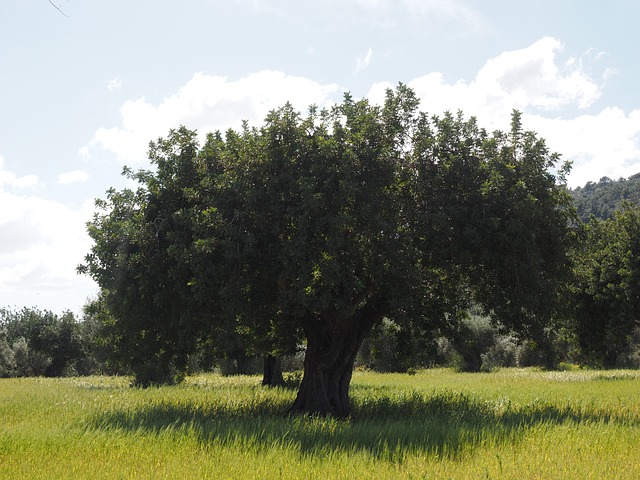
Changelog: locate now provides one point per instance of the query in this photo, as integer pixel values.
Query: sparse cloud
(391, 13)
(85, 151)
(259, 6)
(610, 72)
(363, 62)
(375, 5)
(450, 8)
(75, 176)
(597, 54)
(114, 84)
(206, 103)
(10, 179)
(443, 10)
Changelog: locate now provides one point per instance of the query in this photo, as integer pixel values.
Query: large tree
(324, 224)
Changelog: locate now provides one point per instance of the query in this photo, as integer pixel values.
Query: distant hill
(602, 198)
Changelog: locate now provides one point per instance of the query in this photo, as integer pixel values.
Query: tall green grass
(436, 424)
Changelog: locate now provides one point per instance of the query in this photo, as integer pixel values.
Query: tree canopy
(607, 288)
(313, 228)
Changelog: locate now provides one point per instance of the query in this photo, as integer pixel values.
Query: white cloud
(363, 62)
(526, 79)
(534, 81)
(10, 179)
(599, 145)
(75, 176)
(206, 103)
(42, 242)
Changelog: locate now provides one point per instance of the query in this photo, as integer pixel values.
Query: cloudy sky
(84, 87)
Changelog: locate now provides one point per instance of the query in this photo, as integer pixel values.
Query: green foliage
(501, 354)
(42, 343)
(138, 261)
(7, 356)
(397, 348)
(607, 289)
(477, 345)
(601, 199)
(96, 340)
(28, 363)
(481, 345)
(630, 358)
(475, 337)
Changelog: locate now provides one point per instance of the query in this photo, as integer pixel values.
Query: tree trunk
(242, 364)
(472, 359)
(272, 372)
(610, 358)
(328, 363)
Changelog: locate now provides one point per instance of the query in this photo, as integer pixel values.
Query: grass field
(512, 423)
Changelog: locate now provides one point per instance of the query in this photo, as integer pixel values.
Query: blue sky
(82, 94)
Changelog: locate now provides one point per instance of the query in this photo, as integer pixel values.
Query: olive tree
(318, 226)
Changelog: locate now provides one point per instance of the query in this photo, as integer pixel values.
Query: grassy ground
(436, 424)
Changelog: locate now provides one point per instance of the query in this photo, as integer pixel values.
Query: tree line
(357, 235)
(37, 342)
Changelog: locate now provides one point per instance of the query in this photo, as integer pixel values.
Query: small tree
(7, 356)
(393, 347)
(26, 364)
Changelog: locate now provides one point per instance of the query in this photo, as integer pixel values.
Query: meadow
(513, 423)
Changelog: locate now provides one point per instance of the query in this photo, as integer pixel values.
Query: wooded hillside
(603, 197)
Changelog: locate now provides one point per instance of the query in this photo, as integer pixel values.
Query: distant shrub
(41, 343)
(568, 367)
(21, 352)
(630, 358)
(29, 362)
(7, 356)
(293, 363)
(156, 371)
(501, 354)
(396, 348)
(528, 354)
(240, 365)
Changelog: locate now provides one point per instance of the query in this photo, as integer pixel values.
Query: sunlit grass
(436, 424)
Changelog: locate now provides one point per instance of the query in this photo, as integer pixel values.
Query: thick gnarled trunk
(328, 364)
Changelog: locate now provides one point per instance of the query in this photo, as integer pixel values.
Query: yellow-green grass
(436, 424)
